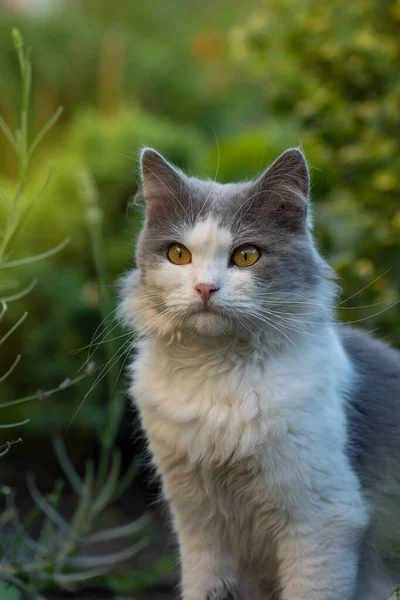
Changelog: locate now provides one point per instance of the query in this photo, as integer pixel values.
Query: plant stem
(108, 434)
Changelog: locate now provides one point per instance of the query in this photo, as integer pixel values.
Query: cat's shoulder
(375, 394)
(369, 354)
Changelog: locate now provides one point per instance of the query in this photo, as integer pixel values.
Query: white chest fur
(216, 405)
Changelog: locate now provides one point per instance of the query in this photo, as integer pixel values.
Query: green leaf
(9, 592)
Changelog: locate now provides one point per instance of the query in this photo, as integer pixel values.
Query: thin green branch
(18, 424)
(3, 309)
(21, 293)
(32, 259)
(31, 206)
(13, 328)
(43, 395)
(44, 131)
(94, 218)
(11, 369)
(7, 132)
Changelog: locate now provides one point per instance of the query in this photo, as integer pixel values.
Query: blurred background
(198, 80)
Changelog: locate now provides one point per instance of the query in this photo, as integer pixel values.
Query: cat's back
(374, 408)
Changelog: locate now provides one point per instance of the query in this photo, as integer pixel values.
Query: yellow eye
(245, 256)
(179, 255)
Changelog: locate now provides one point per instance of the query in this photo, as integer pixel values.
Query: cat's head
(226, 258)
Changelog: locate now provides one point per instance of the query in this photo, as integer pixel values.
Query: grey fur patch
(374, 438)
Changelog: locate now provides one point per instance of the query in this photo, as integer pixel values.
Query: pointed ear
(160, 179)
(285, 186)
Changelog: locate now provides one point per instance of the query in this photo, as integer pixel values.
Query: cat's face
(222, 259)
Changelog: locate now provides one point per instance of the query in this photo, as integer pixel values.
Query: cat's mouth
(207, 319)
(206, 309)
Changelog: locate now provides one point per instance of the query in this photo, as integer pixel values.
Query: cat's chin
(209, 324)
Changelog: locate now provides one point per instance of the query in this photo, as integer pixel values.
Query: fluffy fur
(276, 432)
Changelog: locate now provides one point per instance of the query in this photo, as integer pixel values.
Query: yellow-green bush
(331, 70)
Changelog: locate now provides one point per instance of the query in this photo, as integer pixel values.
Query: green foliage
(109, 54)
(66, 554)
(332, 70)
(17, 212)
(108, 147)
(58, 556)
(9, 592)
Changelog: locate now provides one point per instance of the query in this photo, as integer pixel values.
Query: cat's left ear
(160, 179)
(163, 187)
(286, 186)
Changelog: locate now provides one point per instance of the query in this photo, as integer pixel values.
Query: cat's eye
(179, 255)
(245, 256)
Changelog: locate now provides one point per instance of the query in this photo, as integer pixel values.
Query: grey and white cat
(275, 430)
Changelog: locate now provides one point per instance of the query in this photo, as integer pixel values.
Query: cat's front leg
(203, 577)
(319, 557)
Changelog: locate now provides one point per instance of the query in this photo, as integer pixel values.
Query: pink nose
(205, 290)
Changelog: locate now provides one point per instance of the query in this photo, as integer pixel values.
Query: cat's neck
(262, 344)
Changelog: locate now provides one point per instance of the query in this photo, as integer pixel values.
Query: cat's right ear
(161, 181)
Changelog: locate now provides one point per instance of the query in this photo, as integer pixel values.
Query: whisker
(113, 360)
(355, 320)
(269, 322)
(293, 326)
(365, 287)
(374, 315)
(97, 344)
(105, 331)
(97, 381)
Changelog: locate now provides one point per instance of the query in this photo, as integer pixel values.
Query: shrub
(331, 71)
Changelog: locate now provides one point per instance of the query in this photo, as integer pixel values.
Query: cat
(275, 430)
